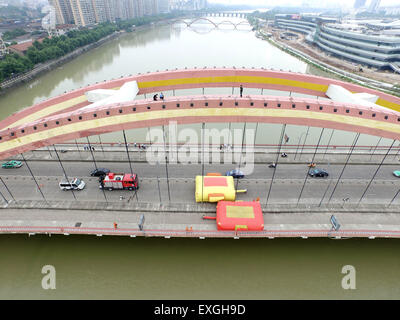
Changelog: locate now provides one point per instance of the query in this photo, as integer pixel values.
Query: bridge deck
(278, 223)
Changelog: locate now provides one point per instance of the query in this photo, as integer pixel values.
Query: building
(63, 29)
(87, 12)
(359, 4)
(3, 48)
(371, 43)
(100, 10)
(373, 7)
(83, 12)
(63, 11)
(49, 21)
(188, 5)
(22, 48)
(163, 6)
(360, 43)
(295, 23)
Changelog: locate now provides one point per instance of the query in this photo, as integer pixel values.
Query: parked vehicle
(72, 184)
(235, 173)
(318, 173)
(99, 172)
(396, 173)
(12, 164)
(125, 181)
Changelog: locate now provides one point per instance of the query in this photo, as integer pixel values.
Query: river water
(116, 267)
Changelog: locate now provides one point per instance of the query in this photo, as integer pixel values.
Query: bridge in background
(214, 23)
(223, 14)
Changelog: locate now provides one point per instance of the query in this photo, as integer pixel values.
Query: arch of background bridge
(197, 109)
(189, 23)
(216, 24)
(197, 78)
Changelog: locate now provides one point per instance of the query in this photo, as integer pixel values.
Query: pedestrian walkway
(262, 154)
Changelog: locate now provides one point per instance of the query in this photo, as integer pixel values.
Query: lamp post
(298, 143)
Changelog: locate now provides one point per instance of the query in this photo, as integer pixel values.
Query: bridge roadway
(288, 181)
(283, 218)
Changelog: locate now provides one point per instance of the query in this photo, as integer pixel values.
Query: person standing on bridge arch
(241, 91)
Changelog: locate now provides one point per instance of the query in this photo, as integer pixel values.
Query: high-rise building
(150, 7)
(188, 4)
(87, 12)
(373, 7)
(163, 6)
(100, 10)
(63, 11)
(3, 48)
(140, 7)
(49, 21)
(359, 3)
(83, 12)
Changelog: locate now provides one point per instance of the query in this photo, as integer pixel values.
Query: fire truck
(125, 181)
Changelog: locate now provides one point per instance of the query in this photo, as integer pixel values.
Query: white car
(72, 184)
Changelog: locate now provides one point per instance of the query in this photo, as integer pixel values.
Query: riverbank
(337, 72)
(42, 68)
(51, 65)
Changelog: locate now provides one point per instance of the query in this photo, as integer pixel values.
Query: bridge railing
(260, 146)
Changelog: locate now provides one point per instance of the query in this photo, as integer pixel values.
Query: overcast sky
(348, 3)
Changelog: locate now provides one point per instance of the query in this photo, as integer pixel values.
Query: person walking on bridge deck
(241, 91)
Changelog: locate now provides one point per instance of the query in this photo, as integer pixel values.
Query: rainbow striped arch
(61, 118)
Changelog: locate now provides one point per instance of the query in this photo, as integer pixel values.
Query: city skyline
(88, 12)
(299, 3)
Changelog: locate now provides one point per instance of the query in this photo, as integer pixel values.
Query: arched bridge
(225, 14)
(62, 118)
(215, 24)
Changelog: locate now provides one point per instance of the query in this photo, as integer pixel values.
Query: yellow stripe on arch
(388, 104)
(50, 110)
(235, 79)
(212, 112)
(47, 111)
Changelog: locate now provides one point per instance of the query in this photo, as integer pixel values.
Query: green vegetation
(52, 48)
(13, 64)
(270, 14)
(128, 24)
(57, 47)
(9, 35)
(254, 22)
